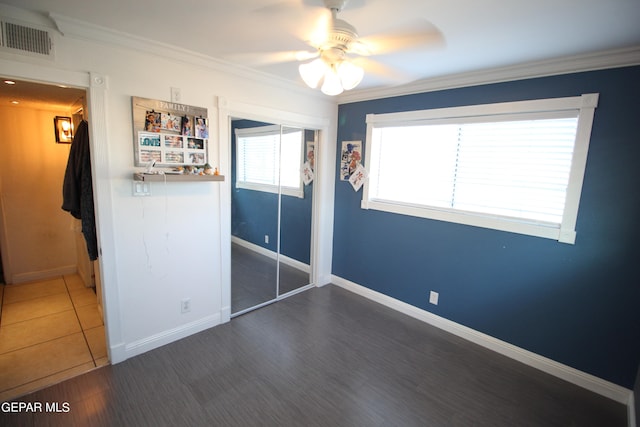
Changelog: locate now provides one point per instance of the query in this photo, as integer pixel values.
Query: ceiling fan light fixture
(312, 72)
(350, 74)
(335, 77)
(332, 85)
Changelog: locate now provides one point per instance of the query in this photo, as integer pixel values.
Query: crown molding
(74, 28)
(563, 65)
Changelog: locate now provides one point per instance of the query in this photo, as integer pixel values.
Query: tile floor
(50, 330)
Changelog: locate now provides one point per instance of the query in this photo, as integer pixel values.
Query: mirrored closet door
(271, 212)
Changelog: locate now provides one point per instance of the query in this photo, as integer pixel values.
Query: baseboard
(632, 411)
(567, 373)
(88, 281)
(253, 247)
(43, 274)
(117, 353)
(166, 337)
(271, 254)
(225, 314)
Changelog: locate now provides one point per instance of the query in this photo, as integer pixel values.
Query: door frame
(96, 86)
(321, 230)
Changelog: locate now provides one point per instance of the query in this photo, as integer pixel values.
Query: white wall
(160, 249)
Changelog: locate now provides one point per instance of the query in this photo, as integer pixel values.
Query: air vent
(25, 39)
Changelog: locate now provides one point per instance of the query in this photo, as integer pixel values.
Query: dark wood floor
(324, 357)
(254, 277)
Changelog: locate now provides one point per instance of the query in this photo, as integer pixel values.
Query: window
(514, 166)
(269, 157)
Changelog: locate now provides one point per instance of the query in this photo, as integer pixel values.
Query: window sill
(544, 230)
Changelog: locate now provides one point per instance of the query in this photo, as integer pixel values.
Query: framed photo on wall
(171, 134)
(350, 158)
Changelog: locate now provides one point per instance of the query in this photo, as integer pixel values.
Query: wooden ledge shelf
(137, 176)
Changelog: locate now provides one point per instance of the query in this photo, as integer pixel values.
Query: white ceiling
(35, 95)
(475, 35)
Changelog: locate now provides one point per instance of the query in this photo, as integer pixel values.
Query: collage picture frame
(169, 134)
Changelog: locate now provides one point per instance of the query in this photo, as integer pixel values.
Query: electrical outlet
(185, 305)
(266, 238)
(433, 297)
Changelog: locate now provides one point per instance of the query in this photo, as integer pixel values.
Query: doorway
(271, 212)
(49, 305)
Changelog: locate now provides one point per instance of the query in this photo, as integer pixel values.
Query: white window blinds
(516, 167)
(267, 158)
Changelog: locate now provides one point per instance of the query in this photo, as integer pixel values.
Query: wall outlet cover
(433, 297)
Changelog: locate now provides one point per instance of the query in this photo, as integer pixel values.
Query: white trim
(323, 200)
(581, 106)
(96, 86)
(253, 247)
(615, 58)
(511, 108)
(559, 370)
(166, 337)
(271, 254)
(42, 274)
(578, 167)
(97, 103)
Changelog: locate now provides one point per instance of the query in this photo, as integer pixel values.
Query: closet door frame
(321, 231)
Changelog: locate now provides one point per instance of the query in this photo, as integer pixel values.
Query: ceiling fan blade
(420, 34)
(306, 20)
(257, 59)
(285, 6)
(320, 32)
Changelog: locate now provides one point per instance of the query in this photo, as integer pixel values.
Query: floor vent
(25, 39)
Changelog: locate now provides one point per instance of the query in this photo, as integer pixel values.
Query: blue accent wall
(255, 213)
(576, 304)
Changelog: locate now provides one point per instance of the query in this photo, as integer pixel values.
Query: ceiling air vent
(25, 39)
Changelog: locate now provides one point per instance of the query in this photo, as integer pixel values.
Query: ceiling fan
(340, 57)
(334, 46)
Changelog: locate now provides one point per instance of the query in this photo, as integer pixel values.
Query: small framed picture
(311, 154)
(186, 126)
(350, 158)
(171, 122)
(147, 155)
(196, 158)
(202, 128)
(195, 144)
(174, 157)
(146, 139)
(173, 141)
(152, 122)
(63, 129)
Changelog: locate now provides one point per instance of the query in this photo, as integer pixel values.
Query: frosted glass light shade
(332, 85)
(350, 75)
(312, 72)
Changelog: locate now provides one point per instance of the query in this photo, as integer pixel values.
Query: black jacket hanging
(77, 188)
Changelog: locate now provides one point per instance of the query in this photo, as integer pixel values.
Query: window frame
(584, 105)
(268, 188)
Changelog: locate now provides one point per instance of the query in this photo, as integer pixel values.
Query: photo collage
(170, 134)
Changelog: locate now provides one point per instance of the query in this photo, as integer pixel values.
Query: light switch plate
(141, 188)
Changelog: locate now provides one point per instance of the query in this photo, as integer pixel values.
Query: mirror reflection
(271, 206)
